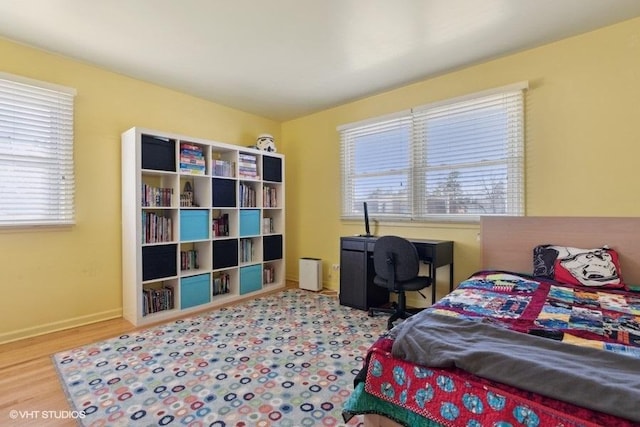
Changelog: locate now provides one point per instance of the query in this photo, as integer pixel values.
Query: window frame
(37, 126)
(513, 162)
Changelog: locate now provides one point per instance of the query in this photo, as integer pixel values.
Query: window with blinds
(453, 160)
(36, 153)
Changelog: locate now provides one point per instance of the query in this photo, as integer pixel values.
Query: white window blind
(454, 160)
(36, 153)
(376, 163)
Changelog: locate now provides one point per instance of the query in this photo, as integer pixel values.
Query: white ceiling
(283, 59)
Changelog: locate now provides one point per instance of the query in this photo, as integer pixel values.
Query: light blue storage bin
(194, 225)
(194, 290)
(249, 222)
(250, 278)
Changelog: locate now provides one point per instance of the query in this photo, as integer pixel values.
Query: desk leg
(451, 277)
(432, 274)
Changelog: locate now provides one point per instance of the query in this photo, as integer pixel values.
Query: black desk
(356, 269)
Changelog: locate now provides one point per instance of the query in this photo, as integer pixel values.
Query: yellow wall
(583, 143)
(52, 279)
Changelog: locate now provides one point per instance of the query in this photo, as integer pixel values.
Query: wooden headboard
(507, 242)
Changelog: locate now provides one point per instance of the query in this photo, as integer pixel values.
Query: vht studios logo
(45, 415)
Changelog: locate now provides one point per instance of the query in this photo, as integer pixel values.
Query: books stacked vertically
(155, 300)
(192, 159)
(221, 284)
(247, 196)
(154, 196)
(220, 225)
(247, 165)
(246, 250)
(269, 274)
(156, 228)
(188, 260)
(269, 197)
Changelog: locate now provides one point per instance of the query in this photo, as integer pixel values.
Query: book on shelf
(156, 228)
(156, 196)
(246, 250)
(192, 159)
(247, 196)
(269, 274)
(269, 197)
(156, 300)
(192, 169)
(190, 146)
(247, 165)
(221, 284)
(220, 225)
(189, 260)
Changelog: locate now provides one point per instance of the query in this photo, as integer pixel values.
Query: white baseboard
(47, 328)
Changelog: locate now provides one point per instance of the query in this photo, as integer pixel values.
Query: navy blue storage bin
(158, 153)
(225, 253)
(159, 261)
(272, 247)
(272, 168)
(223, 193)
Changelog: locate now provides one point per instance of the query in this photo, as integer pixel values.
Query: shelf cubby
(224, 223)
(223, 162)
(159, 297)
(195, 258)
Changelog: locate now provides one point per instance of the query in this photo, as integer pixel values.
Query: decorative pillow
(598, 267)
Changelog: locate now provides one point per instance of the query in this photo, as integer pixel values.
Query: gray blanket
(591, 378)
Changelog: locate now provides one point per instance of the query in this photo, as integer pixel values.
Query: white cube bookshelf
(161, 221)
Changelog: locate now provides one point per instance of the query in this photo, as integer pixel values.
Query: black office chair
(397, 266)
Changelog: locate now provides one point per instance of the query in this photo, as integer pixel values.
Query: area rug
(287, 359)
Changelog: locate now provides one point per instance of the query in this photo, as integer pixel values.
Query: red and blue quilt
(599, 318)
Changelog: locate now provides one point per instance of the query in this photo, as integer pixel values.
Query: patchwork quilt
(604, 319)
(595, 317)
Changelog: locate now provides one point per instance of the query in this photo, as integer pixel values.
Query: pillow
(598, 267)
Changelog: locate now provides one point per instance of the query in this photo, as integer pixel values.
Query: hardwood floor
(29, 383)
(30, 392)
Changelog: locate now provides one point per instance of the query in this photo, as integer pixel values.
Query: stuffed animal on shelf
(266, 142)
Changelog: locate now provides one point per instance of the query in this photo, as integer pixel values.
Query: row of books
(220, 225)
(269, 197)
(221, 284)
(155, 300)
(223, 168)
(246, 250)
(247, 165)
(188, 260)
(156, 228)
(192, 159)
(268, 275)
(247, 196)
(156, 196)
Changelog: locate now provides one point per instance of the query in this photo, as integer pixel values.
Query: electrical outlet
(335, 267)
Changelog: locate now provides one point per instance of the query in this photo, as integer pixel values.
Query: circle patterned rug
(287, 359)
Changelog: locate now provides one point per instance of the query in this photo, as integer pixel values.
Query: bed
(519, 343)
